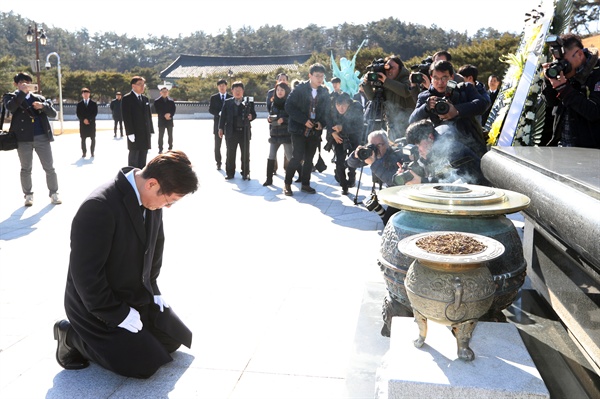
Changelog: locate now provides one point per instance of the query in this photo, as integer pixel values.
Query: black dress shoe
(308, 189)
(218, 166)
(69, 358)
(228, 177)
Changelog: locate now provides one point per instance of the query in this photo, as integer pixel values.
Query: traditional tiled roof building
(186, 66)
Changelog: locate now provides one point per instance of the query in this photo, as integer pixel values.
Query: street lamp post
(48, 66)
(40, 38)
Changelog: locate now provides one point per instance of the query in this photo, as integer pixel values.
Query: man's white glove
(132, 322)
(158, 299)
(131, 137)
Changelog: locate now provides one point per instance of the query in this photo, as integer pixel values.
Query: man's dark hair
(336, 80)
(468, 70)
(316, 67)
(237, 83)
(441, 66)
(444, 53)
(343, 98)
(571, 40)
(419, 131)
(221, 82)
(396, 59)
(22, 76)
(174, 173)
(136, 79)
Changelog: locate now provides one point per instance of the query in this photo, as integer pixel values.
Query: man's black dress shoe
(228, 177)
(69, 358)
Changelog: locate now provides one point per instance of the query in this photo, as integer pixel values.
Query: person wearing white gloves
(117, 316)
(137, 118)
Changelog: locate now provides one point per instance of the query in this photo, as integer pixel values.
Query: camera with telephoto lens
(441, 107)
(372, 204)
(378, 65)
(419, 70)
(366, 152)
(559, 64)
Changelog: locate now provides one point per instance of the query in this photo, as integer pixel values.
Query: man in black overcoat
(137, 118)
(117, 316)
(117, 113)
(234, 125)
(165, 108)
(214, 108)
(87, 110)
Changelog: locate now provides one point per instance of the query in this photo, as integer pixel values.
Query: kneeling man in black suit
(117, 316)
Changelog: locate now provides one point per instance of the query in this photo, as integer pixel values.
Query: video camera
(559, 64)
(378, 65)
(419, 70)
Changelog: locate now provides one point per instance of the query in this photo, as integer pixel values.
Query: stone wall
(185, 110)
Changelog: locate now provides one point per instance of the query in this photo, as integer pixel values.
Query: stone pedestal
(502, 367)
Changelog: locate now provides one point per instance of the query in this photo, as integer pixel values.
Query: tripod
(374, 120)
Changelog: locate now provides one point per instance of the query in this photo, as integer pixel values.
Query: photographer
(419, 77)
(278, 128)
(234, 124)
(384, 161)
(30, 113)
(347, 121)
(308, 106)
(470, 74)
(456, 105)
(391, 76)
(572, 92)
(444, 159)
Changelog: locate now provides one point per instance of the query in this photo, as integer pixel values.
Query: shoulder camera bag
(8, 140)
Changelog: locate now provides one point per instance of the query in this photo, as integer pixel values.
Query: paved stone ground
(270, 319)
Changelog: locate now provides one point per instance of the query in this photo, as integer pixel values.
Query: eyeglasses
(380, 145)
(167, 201)
(442, 79)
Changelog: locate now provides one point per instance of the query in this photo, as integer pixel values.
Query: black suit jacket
(228, 113)
(214, 107)
(88, 113)
(137, 119)
(114, 264)
(16, 103)
(165, 106)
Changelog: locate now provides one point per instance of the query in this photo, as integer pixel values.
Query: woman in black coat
(278, 129)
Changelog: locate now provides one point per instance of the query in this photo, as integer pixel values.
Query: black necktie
(222, 98)
(140, 98)
(143, 209)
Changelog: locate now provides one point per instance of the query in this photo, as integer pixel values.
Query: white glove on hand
(132, 322)
(131, 137)
(158, 299)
